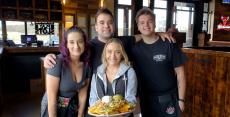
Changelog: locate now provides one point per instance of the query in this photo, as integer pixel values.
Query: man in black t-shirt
(159, 66)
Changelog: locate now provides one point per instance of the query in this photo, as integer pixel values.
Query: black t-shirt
(96, 52)
(155, 65)
(98, 46)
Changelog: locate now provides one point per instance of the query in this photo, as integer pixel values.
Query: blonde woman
(115, 75)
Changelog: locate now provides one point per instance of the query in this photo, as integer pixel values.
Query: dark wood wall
(208, 83)
(220, 9)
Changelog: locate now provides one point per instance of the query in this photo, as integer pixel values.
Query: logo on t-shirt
(159, 57)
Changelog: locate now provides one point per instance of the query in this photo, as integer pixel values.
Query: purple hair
(65, 52)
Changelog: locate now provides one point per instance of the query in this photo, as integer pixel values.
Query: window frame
(160, 8)
(126, 17)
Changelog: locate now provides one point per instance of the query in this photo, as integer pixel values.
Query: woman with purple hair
(67, 82)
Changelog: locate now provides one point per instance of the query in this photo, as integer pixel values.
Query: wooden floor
(21, 105)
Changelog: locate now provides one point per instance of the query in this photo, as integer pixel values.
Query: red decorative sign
(224, 24)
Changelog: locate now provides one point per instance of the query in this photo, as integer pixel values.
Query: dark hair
(144, 11)
(103, 10)
(65, 52)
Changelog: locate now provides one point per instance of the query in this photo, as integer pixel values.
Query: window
(17, 28)
(182, 23)
(205, 22)
(120, 22)
(123, 17)
(14, 30)
(160, 4)
(205, 17)
(124, 2)
(30, 28)
(184, 20)
(146, 3)
(93, 33)
(160, 20)
(55, 37)
(161, 12)
(0, 30)
(129, 26)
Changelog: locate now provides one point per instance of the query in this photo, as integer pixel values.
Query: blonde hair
(123, 53)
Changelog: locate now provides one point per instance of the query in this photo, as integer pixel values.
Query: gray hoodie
(131, 86)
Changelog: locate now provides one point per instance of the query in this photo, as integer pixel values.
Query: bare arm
(82, 96)
(52, 84)
(181, 85)
(49, 61)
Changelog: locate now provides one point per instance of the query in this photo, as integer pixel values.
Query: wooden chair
(180, 38)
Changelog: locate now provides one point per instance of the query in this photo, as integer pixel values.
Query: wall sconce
(63, 2)
(101, 4)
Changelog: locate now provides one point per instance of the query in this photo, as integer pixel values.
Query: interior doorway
(183, 18)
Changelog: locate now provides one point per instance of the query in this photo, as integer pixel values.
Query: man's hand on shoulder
(137, 37)
(49, 61)
(167, 36)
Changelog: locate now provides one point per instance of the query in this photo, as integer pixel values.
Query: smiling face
(104, 26)
(113, 54)
(75, 44)
(146, 25)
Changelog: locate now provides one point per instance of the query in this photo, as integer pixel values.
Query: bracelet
(182, 100)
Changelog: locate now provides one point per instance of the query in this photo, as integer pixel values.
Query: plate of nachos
(111, 106)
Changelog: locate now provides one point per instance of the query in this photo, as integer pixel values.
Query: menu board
(44, 28)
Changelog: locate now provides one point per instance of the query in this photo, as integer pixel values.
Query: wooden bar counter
(45, 49)
(208, 83)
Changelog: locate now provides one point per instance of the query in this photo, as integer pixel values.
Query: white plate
(114, 115)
